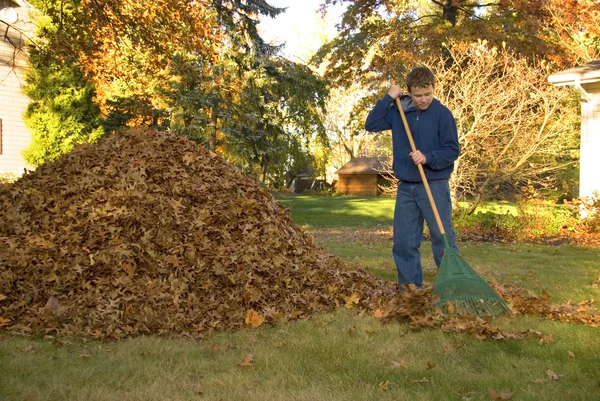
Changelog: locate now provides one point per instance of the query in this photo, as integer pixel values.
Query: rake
(461, 290)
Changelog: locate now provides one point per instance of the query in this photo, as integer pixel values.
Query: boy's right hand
(395, 91)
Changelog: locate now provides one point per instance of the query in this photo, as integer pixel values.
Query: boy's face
(421, 96)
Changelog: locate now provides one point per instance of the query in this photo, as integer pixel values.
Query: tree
(515, 129)
(347, 110)
(272, 121)
(384, 35)
(62, 112)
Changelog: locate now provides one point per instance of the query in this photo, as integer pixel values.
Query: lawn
(341, 355)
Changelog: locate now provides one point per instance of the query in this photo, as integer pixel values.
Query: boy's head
(420, 77)
(420, 83)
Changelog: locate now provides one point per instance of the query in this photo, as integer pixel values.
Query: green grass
(339, 211)
(339, 355)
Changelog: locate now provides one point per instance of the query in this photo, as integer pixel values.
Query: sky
(298, 25)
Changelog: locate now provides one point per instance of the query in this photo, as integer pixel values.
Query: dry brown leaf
(378, 313)
(168, 229)
(384, 386)
(85, 354)
(547, 339)
(423, 380)
(539, 381)
(552, 375)
(280, 345)
(254, 319)
(352, 300)
(247, 361)
(500, 396)
(430, 365)
(4, 321)
(52, 303)
(571, 354)
(2, 297)
(398, 365)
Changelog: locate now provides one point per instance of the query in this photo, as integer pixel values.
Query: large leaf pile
(147, 232)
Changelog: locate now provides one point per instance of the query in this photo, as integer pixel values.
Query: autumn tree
(515, 129)
(62, 112)
(347, 110)
(273, 120)
(199, 68)
(382, 35)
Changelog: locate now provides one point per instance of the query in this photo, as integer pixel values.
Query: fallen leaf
(279, 345)
(352, 300)
(547, 339)
(378, 314)
(85, 354)
(552, 375)
(4, 321)
(445, 348)
(2, 297)
(254, 319)
(29, 348)
(571, 354)
(539, 381)
(52, 303)
(450, 307)
(499, 396)
(423, 380)
(401, 364)
(384, 386)
(248, 361)
(430, 365)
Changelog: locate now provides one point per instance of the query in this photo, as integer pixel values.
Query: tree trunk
(212, 136)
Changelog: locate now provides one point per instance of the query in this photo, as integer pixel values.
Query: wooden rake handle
(413, 147)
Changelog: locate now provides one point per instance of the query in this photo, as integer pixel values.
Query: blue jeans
(412, 208)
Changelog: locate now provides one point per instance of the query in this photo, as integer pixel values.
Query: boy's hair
(420, 77)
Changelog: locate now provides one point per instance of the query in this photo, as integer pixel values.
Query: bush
(486, 224)
(587, 209)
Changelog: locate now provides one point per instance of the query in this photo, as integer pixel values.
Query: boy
(435, 135)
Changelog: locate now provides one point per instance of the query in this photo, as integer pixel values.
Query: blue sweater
(433, 130)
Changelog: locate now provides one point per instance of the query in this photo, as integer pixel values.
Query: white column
(589, 175)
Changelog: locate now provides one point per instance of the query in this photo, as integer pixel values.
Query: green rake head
(462, 291)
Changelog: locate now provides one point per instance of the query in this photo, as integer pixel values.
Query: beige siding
(13, 61)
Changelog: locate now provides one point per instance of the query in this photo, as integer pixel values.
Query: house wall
(363, 184)
(13, 63)
(589, 179)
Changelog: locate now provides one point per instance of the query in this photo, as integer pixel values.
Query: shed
(14, 136)
(586, 78)
(363, 176)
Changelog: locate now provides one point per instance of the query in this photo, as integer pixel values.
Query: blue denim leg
(440, 191)
(412, 208)
(408, 233)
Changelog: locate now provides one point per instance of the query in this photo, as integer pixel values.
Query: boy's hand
(418, 157)
(395, 91)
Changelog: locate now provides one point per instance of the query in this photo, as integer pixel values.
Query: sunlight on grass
(334, 356)
(340, 355)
